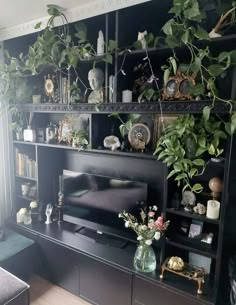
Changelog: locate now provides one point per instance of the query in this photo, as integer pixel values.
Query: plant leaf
(201, 34)
(108, 58)
(166, 76)
(197, 188)
(215, 70)
(185, 37)
(167, 28)
(199, 162)
(206, 113)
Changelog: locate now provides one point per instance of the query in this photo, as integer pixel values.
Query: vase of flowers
(149, 228)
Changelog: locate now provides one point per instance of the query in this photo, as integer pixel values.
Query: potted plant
(80, 138)
(186, 145)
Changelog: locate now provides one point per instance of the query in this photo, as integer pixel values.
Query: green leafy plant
(186, 144)
(126, 125)
(80, 138)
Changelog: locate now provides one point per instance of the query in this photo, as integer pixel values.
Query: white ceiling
(18, 17)
(15, 12)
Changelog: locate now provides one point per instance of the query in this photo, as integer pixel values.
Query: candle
(213, 209)
(126, 96)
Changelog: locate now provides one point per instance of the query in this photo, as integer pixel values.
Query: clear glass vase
(145, 258)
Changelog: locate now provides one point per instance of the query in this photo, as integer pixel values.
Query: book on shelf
(25, 165)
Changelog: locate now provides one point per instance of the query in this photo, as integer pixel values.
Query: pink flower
(159, 222)
(151, 214)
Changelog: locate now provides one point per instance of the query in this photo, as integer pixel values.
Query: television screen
(95, 201)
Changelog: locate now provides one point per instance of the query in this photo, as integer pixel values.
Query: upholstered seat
(13, 291)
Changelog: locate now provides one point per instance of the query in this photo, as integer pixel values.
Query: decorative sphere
(216, 185)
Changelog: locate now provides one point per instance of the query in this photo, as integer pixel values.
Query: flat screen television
(94, 201)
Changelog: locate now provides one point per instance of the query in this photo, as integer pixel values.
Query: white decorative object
(126, 96)
(100, 43)
(33, 204)
(29, 134)
(188, 200)
(20, 215)
(111, 142)
(200, 209)
(48, 213)
(213, 209)
(141, 38)
(111, 88)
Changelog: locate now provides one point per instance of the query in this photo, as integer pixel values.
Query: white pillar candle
(126, 96)
(213, 209)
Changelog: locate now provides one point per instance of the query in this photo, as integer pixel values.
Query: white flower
(119, 215)
(139, 237)
(22, 211)
(127, 224)
(33, 204)
(135, 224)
(148, 242)
(157, 235)
(155, 208)
(144, 228)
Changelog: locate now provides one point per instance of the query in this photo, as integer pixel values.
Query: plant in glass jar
(148, 228)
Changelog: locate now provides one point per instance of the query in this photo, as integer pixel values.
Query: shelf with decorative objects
(165, 107)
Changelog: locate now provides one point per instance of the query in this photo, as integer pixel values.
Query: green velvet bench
(16, 253)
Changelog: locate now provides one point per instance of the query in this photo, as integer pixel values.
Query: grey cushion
(13, 291)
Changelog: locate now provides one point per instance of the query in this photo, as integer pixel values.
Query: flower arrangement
(150, 226)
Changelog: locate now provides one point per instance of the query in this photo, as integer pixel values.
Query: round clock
(139, 136)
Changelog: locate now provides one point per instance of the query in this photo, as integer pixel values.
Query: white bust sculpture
(96, 79)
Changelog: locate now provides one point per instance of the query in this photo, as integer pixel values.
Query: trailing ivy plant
(126, 125)
(186, 144)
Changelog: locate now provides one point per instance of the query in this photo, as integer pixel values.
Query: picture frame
(195, 230)
(163, 122)
(65, 131)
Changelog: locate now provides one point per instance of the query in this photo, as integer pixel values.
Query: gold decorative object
(176, 263)
(49, 86)
(216, 186)
(139, 136)
(178, 86)
(190, 272)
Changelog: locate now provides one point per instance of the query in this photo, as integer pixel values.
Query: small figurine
(48, 213)
(100, 43)
(141, 38)
(188, 200)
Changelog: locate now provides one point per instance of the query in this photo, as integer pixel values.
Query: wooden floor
(43, 292)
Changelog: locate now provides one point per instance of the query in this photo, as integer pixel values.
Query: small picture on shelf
(195, 230)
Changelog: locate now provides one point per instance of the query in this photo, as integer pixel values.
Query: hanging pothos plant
(186, 145)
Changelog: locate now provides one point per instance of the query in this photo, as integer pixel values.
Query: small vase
(145, 258)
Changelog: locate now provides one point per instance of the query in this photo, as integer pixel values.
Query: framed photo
(164, 121)
(195, 230)
(65, 131)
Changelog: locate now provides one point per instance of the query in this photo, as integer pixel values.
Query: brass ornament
(139, 136)
(176, 263)
(49, 86)
(177, 87)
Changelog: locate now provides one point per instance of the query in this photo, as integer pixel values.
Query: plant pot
(145, 258)
(36, 99)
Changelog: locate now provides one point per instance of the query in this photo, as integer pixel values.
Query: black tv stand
(102, 238)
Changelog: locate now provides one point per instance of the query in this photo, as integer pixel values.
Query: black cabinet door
(103, 284)
(146, 293)
(59, 265)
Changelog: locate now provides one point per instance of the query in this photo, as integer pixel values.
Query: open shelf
(165, 107)
(205, 252)
(27, 178)
(25, 198)
(192, 216)
(165, 50)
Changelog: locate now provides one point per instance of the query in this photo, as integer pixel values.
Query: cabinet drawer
(146, 293)
(102, 284)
